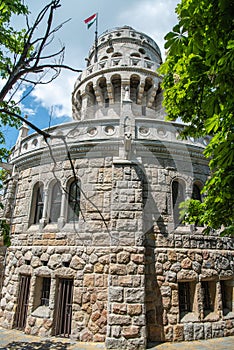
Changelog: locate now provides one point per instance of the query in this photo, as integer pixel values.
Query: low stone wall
(108, 283)
(165, 269)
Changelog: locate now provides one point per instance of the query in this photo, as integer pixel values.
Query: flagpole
(96, 39)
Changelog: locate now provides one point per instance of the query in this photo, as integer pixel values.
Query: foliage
(11, 42)
(198, 88)
(4, 225)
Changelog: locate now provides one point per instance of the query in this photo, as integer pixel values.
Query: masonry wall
(189, 258)
(125, 263)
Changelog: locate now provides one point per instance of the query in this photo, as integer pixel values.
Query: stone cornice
(103, 148)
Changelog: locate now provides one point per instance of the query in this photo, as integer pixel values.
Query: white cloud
(154, 18)
(56, 95)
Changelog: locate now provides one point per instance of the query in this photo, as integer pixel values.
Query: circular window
(109, 130)
(161, 132)
(143, 130)
(118, 34)
(141, 50)
(110, 50)
(25, 146)
(92, 131)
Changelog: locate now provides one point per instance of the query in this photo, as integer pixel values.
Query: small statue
(127, 144)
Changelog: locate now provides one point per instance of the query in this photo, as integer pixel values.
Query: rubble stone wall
(187, 258)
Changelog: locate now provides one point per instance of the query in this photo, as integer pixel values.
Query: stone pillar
(126, 293)
(61, 220)
(44, 219)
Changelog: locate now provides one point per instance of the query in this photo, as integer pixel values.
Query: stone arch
(73, 199)
(196, 190)
(178, 188)
(36, 203)
(91, 97)
(148, 84)
(55, 202)
(135, 54)
(77, 105)
(116, 83)
(117, 54)
(134, 85)
(102, 88)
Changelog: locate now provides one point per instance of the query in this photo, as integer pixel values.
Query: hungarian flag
(90, 20)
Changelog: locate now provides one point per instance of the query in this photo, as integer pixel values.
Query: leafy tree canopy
(198, 88)
(11, 43)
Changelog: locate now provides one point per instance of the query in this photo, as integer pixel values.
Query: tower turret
(126, 59)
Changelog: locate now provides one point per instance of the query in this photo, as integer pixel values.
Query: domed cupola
(123, 63)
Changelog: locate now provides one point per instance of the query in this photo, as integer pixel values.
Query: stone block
(118, 269)
(120, 309)
(198, 331)
(165, 291)
(131, 332)
(86, 336)
(134, 309)
(98, 268)
(55, 261)
(178, 333)
(218, 329)
(137, 258)
(168, 335)
(138, 320)
(116, 331)
(207, 330)
(186, 263)
(119, 320)
(188, 331)
(125, 281)
(115, 294)
(171, 276)
(123, 257)
(88, 280)
(77, 263)
(134, 295)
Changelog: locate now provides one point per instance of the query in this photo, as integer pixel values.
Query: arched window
(178, 196)
(56, 198)
(38, 202)
(196, 193)
(73, 202)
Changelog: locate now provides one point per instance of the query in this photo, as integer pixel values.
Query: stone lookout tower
(98, 250)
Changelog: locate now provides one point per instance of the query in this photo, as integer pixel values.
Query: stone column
(126, 293)
(61, 220)
(44, 219)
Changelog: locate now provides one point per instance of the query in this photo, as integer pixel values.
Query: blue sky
(51, 104)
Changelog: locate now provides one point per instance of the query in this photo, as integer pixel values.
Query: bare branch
(32, 60)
